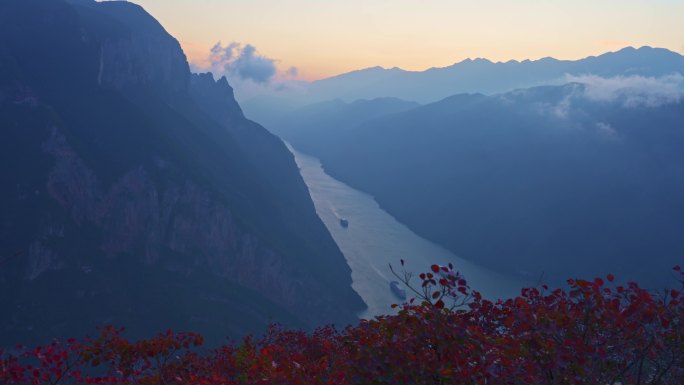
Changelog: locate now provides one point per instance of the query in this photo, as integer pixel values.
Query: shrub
(595, 332)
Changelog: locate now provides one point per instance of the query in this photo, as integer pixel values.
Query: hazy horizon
(308, 40)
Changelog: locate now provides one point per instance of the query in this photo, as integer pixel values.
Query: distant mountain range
(468, 76)
(137, 194)
(484, 76)
(565, 181)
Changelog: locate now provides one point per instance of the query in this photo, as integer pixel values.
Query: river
(374, 239)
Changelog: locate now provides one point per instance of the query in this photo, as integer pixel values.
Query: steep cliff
(138, 194)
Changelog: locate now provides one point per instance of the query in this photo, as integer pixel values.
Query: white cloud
(606, 128)
(243, 62)
(562, 109)
(632, 91)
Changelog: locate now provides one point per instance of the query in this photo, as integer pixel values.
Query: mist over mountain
(315, 127)
(574, 180)
(468, 76)
(138, 194)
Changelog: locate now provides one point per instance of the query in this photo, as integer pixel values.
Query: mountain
(138, 194)
(468, 76)
(315, 127)
(567, 181)
(484, 76)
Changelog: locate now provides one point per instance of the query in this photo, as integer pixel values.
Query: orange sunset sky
(327, 37)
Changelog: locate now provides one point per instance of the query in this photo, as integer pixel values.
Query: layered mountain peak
(553, 180)
(485, 76)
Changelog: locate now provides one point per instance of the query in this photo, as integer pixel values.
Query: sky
(314, 39)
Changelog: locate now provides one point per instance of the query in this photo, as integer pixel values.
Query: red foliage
(588, 334)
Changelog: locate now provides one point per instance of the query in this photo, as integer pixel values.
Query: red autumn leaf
(574, 337)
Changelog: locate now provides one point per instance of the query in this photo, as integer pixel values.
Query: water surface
(374, 240)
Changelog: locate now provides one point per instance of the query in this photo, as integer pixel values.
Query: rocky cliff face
(217, 96)
(136, 217)
(142, 196)
(135, 50)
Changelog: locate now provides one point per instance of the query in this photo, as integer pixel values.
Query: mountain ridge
(129, 169)
(542, 180)
(482, 75)
(466, 76)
